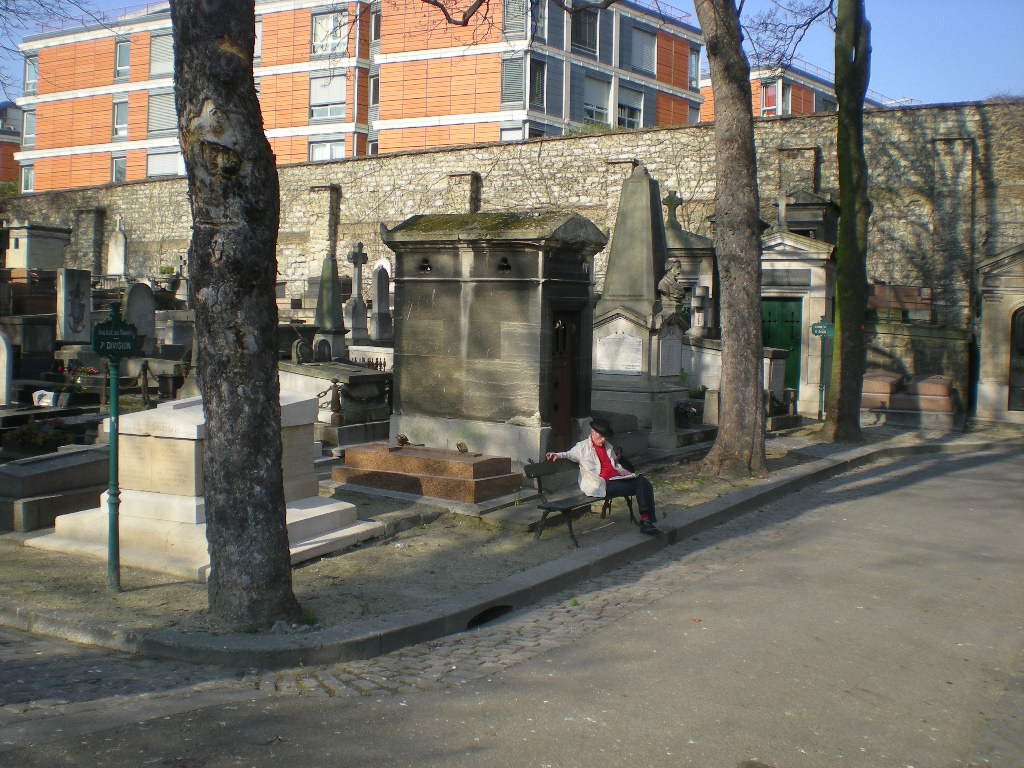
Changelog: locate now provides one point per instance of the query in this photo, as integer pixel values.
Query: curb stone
(383, 634)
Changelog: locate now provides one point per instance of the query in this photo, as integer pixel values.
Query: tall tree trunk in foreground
(853, 59)
(739, 447)
(233, 191)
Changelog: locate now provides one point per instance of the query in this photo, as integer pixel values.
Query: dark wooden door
(1016, 400)
(565, 334)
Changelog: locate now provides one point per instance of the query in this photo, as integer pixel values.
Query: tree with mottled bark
(739, 447)
(234, 197)
(853, 59)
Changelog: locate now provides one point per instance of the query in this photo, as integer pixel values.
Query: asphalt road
(871, 620)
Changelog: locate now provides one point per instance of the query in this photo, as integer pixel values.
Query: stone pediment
(791, 246)
(1006, 263)
(625, 313)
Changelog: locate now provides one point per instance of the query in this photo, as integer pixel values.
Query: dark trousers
(638, 486)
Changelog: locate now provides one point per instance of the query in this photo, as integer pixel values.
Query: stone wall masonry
(947, 184)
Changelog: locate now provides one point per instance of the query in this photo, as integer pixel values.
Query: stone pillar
(6, 370)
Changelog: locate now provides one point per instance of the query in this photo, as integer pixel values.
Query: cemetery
(437, 350)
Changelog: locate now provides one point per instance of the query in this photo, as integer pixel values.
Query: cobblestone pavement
(43, 678)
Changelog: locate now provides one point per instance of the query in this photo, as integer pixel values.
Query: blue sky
(932, 51)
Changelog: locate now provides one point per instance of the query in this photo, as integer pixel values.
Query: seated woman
(602, 474)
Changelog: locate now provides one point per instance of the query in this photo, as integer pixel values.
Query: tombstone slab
(74, 305)
(140, 311)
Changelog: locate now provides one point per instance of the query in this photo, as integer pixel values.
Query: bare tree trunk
(739, 447)
(233, 191)
(853, 59)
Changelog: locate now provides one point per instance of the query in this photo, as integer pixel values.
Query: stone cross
(672, 201)
(357, 258)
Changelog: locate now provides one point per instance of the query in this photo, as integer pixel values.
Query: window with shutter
(161, 55)
(512, 81)
(595, 101)
(538, 83)
(631, 105)
(327, 97)
(165, 164)
(584, 31)
(513, 20)
(162, 116)
(645, 50)
(321, 151)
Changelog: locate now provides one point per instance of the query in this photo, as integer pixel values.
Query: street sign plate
(114, 339)
(823, 329)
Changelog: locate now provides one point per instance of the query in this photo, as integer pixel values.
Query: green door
(780, 328)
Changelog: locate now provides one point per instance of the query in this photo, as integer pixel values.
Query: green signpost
(823, 329)
(113, 340)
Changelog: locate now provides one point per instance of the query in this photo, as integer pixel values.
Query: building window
(372, 147)
(320, 151)
(631, 107)
(513, 18)
(538, 82)
(584, 31)
(257, 47)
(122, 59)
(540, 18)
(823, 103)
(694, 73)
(28, 179)
(645, 51)
(120, 119)
(375, 21)
(511, 134)
(28, 129)
(595, 101)
(161, 55)
(694, 114)
(163, 118)
(118, 169)
(769, 103)
(327, 97)
(165, 164)
(31, 75)
(512, 81)
(787, 98)
(330, 34)
(374, 90)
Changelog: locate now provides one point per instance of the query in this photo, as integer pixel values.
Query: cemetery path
(871, 619)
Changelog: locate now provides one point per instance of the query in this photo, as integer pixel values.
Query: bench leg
(606, 508)
(568, 522)
(540, 525)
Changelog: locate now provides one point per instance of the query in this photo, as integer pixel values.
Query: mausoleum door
(781, 323)
(564, 348)
(1016, 399)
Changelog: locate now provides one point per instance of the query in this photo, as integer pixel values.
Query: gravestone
(162, 514)
(329, 321)
(380, 315)
(355, 308)
(117, 250)
(140, 311)
(6, 370)
(637, 348)
(74, 306)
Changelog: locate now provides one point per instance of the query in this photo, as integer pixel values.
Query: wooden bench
(572, 504)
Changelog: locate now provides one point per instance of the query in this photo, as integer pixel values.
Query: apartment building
(354, 78)
(10, 142)
(799, 89)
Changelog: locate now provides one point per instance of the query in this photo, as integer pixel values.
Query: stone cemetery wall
(947, 184)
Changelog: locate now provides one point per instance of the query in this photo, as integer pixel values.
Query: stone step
(469, 490)
(414, 460)
(315, 516)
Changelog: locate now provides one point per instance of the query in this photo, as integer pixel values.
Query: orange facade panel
(140, 57)
(88, 64)
(409, 139)
(71, 171)
(673, 60)
(284, 100)
(801, 100)
(135, 165)
(672, 110)
(290, 149)
(412, 25)
(287, 37)
(74, 122)
(707, 107)
(435, 87)
(9, 170)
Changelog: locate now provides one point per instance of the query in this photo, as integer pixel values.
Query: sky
(928, 51)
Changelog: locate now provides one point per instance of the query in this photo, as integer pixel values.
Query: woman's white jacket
(584, 454)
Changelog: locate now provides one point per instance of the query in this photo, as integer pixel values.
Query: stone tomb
(162, 511)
